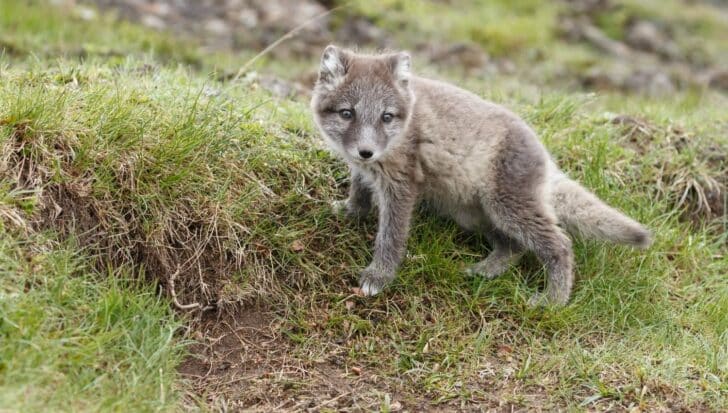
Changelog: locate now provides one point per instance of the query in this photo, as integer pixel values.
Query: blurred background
(650, 47)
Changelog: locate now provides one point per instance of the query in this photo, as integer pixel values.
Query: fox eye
(346, 113)
(387, 117)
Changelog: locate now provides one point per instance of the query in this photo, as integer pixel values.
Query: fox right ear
(334, 62)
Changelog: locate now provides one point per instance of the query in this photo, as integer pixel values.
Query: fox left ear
(334, 62)
(400, 65)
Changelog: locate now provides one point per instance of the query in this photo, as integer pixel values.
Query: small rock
(358, 30)
(506, 66)
(280, 87)
(582, 29)
(647, 36)
(652, 83)
(718, 79)
(217, 27)
(85, 13)
(248, 18)
(599, 79)
(159, 9)
(465, 55)
(297, 246)
(153, 22)
(288, 14)
(162, 9)
(505, 349)
(644, 35)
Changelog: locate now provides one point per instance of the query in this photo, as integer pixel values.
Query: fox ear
(400, 64)
(334, 63)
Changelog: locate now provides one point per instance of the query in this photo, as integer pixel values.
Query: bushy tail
(582, 212)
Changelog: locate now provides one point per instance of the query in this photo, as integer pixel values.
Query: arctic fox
(407, 138)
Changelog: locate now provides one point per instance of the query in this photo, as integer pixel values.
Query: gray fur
(473, 160)
(359, 202)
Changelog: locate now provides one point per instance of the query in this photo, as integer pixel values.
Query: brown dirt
(245, 362)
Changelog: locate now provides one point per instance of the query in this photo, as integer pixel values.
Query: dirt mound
(690, 187)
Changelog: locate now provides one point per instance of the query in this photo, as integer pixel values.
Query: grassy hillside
(167, 241)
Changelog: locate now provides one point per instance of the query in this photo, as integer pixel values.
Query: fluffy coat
(407, 138)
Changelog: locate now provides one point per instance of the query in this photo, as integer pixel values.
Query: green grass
(29, 30)
(698, 29)
(157, 171)
(500, 27)
(73, 339)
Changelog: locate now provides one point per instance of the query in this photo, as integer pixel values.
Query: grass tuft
(72, 340)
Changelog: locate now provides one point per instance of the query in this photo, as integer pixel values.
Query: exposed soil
(244, 361)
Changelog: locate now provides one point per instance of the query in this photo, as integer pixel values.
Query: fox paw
(481, 270)
(538, 300)
(348, 209)
(372, 281)
(339, 207)
(542, 299)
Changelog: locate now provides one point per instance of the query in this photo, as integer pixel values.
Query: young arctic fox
(407, 138)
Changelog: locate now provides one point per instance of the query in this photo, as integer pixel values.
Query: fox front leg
(395, 213)
(359, 202)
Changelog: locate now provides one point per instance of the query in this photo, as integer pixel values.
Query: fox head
(362, 103)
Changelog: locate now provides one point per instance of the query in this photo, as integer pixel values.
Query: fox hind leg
(506, 252)
(536, 230)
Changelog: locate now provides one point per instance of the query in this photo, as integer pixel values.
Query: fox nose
(365, 153)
